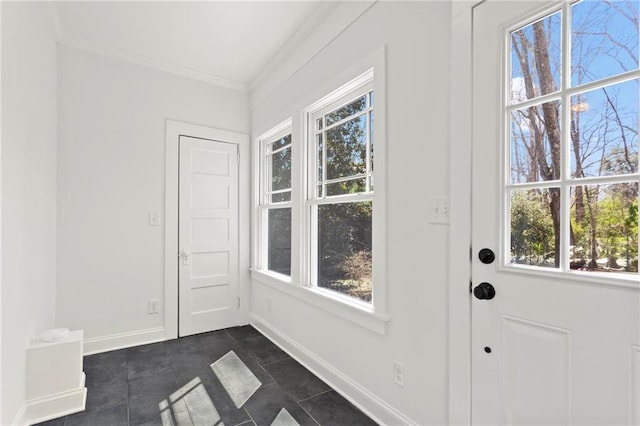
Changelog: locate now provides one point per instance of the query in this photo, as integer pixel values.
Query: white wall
(110, 175)
(28, 191)
(417, 35)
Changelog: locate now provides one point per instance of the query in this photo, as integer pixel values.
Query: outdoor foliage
(602, 139)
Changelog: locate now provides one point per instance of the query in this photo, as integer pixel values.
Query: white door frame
(460, 213)
(175, 129)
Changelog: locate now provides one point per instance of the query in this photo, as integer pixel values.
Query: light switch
(439, 210)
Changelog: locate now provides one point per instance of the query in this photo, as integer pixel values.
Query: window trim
(342, 96)
(373, 317)
(367, 81)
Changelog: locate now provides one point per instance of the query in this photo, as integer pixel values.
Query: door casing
(174, 129)
(460, 126)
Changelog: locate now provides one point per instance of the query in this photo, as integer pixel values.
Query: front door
(556, 292)
(208, 236)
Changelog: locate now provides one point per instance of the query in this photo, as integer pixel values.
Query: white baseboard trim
(54, 406)
(362, 398)
(96, 345)
(21, 416)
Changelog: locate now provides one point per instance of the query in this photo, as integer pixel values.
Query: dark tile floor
(125, 387)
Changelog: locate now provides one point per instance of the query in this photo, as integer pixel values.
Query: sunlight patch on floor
(189, 406)
(284, 419)
(239, 382)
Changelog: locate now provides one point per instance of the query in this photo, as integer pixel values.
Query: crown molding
(329, 20)
(125, 55)
(318, 15)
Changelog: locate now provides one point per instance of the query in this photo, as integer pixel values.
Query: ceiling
(223, 42)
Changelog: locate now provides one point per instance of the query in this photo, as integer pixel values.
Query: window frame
(565, 182)
(356, 89)
(263, 195)
(373, 317)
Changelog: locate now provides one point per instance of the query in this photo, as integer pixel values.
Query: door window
(571, 131)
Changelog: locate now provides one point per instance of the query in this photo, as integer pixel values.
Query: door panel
(551, 347)
(208, 277)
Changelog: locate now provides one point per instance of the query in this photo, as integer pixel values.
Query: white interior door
(559, 342)
(208, 236)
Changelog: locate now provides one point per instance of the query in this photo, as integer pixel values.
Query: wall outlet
(398, 373)
(154, 219)
(439, 210)
(153, 306)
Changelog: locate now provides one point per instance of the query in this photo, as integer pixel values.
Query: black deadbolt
(486, 256)
(484, 291)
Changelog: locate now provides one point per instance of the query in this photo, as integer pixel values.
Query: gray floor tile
(217, 343)
(330, 408)
(147, 361)
(113, 416)
(187, 366)
(299, 382)
(190, 344)
(105, 391)
(55, 422)
(266, 403)
(244, 332)
(262, 350)
(146, 394)
(128, 386)
(105, 361)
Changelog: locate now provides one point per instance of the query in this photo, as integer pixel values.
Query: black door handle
(484, 291)
(486, 256)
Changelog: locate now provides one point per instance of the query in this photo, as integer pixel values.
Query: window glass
(604, 125)
(347, 149)
(341, 201)
(274, 222)
(533, 133)
(535, 59)
(585, 141)
(346, 111)
(532, 232)
(604, 227)
(279, 235)
(604, 39)
(344, 248)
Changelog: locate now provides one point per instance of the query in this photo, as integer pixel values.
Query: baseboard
(362, 398)
(112, 342)
(54, 406)
(21, 417)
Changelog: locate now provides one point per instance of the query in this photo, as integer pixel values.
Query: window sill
(353, 312)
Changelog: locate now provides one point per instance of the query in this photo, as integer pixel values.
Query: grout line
(321, 393)
(308, 414)
(250, 417)
(275, 362)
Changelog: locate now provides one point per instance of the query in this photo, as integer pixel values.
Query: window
(571, 114)
(340, 192)
(319, 232)
(274, 217)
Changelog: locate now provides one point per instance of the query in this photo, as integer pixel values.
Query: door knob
(484, 291)
(486, 256)
(186, 257)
